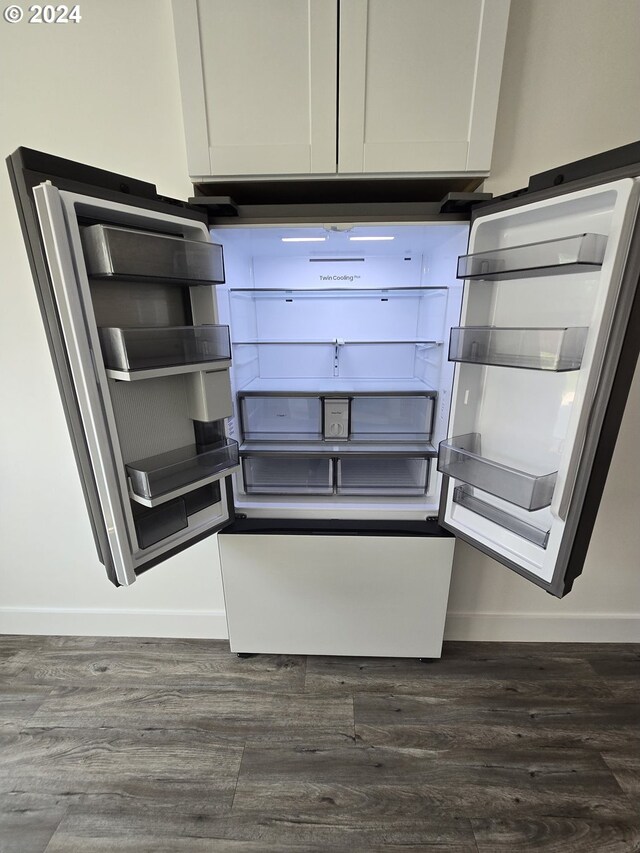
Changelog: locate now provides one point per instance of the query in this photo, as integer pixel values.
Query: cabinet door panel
(268, 76)
(419, 84)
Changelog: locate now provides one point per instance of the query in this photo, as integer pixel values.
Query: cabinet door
(258, 83)
(419, 84)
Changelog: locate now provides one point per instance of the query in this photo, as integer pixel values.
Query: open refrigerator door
(547, 311)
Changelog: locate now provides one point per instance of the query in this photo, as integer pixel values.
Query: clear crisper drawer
(163, 346)
(123, 252)
(166, 473)
(577, 253)
(558, 349)
(382, 475)
(277, 417)
(400, 417)
(292, 475)
(460, 458)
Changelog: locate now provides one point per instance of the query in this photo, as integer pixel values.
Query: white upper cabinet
(419, 84)
(317, 87)
(258, 81)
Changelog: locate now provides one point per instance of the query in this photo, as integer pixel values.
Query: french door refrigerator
(341, 401)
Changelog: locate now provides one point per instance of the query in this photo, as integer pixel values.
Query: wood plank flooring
(165, 746)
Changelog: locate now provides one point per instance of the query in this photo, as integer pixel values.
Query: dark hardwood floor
(177, 745)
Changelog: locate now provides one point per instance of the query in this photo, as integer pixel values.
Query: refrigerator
(339, 392)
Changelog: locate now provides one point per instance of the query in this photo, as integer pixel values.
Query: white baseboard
(206, 624)
(212, 624)
(544, 627)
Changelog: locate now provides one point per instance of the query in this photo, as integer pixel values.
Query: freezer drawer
(382, 475)
(276, 417)
(396, 417)
(288, 475)
(163, 346)
(329, 594)
(112, 251)
(157, 478)
(461, 459)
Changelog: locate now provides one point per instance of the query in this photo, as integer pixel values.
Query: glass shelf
(336, 342)
(157, 479)
(464, 496)
(555, 349)
(319, 292)
(578, 253)
(115, 252)
(155, 348)
(460, 458)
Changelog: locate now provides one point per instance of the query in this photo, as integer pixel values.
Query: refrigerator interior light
(303, 239)
(362, 239)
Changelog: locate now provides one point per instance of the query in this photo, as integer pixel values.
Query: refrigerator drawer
(396, 417)
(329, 594)
(156, 479)
(382, 475)
(292, 475)
(112, 252)
(276, 417)
(149, 348)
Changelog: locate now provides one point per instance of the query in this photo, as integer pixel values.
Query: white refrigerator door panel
(537, 421)
(58, 217)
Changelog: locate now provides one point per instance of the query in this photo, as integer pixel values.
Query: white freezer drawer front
(336, 595)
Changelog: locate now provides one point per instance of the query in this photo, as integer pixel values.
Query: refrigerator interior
(539, 298)
(340, 378)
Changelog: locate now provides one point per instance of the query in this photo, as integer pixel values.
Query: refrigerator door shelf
(578, 253)
(143, 350)
(550, 349)
(464, 495)
(460, 459)
(159, 478)
(157, 523)
(116, 252)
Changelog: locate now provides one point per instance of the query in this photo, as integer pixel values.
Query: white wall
(105, 92)
(570, 88)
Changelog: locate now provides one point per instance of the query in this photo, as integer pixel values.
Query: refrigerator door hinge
(216, 205)
(463, 202)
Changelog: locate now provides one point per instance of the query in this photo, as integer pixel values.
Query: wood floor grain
(177, 745)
